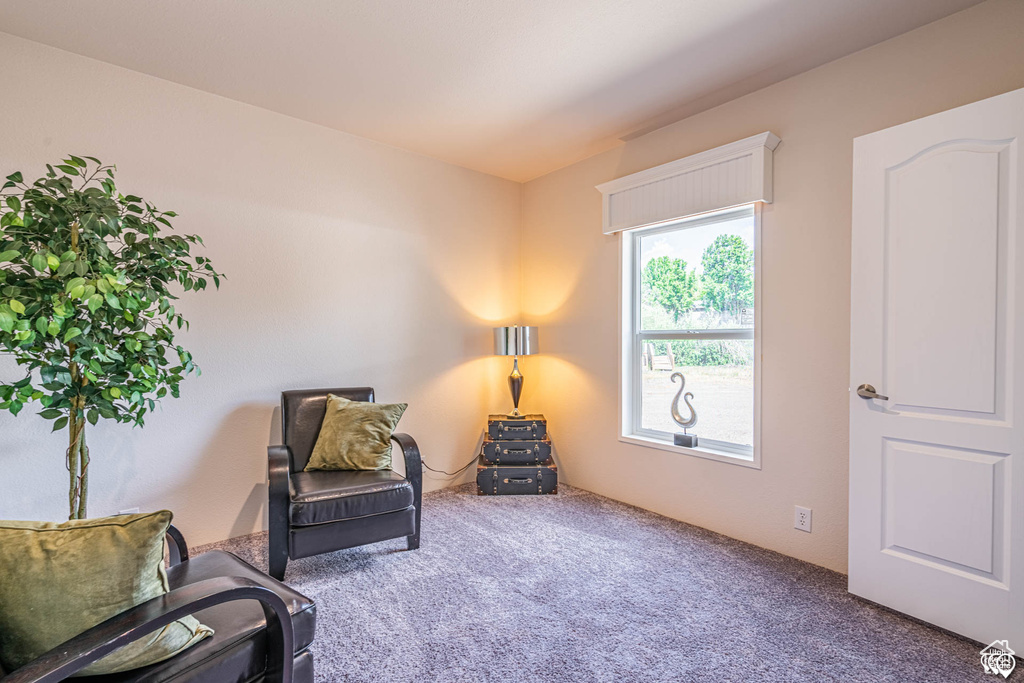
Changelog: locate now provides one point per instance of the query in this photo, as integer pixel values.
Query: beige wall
(348, 263)
(570, 284)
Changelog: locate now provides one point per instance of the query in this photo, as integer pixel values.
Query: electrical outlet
(802, 519)
(129, 511)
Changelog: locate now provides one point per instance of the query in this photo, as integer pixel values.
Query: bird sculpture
(692, 420)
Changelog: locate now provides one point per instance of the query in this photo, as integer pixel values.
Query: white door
(936, 470)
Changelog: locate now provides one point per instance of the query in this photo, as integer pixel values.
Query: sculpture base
(686, 440)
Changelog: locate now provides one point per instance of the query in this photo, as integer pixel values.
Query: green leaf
(115, 392)
(94, 302)
(41, 324)
(53, 329)
(6, 321)
(93, 416)
(77, 292)
(51, 414)
(74, 282)
(38, 262)
(9, 255)
(52, 261)
(71, 334)
(14, 203)
(60, 424)
(16, 407)
(17, 306)
(81, 267)
(113, 302)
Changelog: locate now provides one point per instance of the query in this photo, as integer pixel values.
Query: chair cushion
(237, 651)
(355, 435)
(330, 496)
(302, 412)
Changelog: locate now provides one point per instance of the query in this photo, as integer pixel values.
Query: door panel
(935, 489)
(941, 504)
(942, 221)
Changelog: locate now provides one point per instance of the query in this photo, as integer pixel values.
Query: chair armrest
(152, 615)
(279, 471)
(279, 461)
(413, 465)
(177, 549)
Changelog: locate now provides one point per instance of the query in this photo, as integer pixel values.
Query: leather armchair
(320, 512)
(262, 628)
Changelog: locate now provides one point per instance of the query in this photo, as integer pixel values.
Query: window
(689, 307)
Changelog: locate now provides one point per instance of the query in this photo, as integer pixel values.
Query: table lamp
(515, 341)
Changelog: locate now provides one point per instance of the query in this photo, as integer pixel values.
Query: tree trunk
(78, 462)
(78, 452)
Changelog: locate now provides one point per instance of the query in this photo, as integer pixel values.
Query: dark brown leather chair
(262, 628)
(320, 512)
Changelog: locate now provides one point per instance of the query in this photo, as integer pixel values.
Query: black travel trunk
(516, 452)
(505, 428)
(511, 480)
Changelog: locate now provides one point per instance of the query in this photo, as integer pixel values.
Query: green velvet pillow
(355, 435)
(58, 580)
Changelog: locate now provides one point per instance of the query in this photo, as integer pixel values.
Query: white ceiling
(516, 88)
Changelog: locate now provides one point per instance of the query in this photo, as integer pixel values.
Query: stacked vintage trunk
(516, 457)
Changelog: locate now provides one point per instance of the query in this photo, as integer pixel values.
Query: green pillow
(355, 435)
(58, 580)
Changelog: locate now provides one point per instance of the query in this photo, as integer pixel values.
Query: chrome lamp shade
(516, 341)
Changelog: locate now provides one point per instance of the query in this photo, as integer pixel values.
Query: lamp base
(515, 385)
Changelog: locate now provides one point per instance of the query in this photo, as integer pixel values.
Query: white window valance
(720, 178)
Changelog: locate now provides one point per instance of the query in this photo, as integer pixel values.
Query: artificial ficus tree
(86, 303)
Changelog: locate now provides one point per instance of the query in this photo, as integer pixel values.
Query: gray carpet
(576, 587)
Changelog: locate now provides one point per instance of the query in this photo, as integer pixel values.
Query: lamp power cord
(451, 474)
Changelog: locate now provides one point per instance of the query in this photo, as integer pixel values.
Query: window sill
(706, 453)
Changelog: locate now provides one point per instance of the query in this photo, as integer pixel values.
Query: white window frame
(632, 338)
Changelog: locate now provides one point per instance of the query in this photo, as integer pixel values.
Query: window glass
(692, 286)
(699, 277)
(719, 374)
